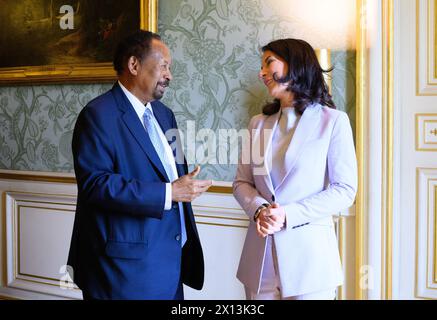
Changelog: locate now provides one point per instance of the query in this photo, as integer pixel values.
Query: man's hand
(270, 220)
(186, 188)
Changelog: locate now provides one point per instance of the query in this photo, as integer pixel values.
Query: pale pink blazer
(321, 181)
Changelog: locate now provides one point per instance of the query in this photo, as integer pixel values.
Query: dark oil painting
(31, 33)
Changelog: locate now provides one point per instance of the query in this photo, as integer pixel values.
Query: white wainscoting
(222, 226)
(38, 233)
(426, 49)
(36, 224)
(426, 240)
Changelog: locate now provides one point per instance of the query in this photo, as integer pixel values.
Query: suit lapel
(133, 123)
(265, 136)
(162, 119)
(174, 142)
(308, 122)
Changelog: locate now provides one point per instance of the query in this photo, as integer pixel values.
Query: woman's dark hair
(137, 44)
(305, 76)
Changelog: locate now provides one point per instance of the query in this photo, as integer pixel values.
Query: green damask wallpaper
(36, 125)
(215, 47)
(216, 59)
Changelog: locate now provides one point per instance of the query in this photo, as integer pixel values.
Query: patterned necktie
(152, 130)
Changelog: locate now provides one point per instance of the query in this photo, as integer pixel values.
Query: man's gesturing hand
(186, 188)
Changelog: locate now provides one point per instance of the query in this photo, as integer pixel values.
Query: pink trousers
(270, 285)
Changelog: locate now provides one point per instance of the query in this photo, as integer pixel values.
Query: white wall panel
(36, 226)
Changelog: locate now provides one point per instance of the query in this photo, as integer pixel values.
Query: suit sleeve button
(178, 237)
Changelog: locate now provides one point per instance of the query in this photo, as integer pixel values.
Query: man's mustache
(165, 83)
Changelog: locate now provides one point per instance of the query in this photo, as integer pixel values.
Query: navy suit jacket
(124, 245)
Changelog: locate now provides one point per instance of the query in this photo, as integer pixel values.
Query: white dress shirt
(140, 108)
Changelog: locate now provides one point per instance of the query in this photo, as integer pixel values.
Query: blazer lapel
(174, 142)
(133, 123)
(308, 122)
(264, 137)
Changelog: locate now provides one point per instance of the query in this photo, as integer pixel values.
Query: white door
(414, 263)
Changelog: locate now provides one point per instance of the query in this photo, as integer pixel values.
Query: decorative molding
(35, 219)
(37, 176)
(341, 238)
(426, 53)
(435, 234)
(220, 189)
(231, 216)
(426, 234)
(361, 128)
(426, 132)
(31, 255)
(149, 15)
(387, 147)
(218, 186)
(434, 44)
(34, 210)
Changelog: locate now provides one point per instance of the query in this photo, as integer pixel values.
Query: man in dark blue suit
(134, 234)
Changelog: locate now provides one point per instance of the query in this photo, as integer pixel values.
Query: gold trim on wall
(204, 215)
(341, 248)
(221, 217)
(36, 177)
(4, 256)
(222, 225)
(387, 148)
(425, 133)
(435, 39)
(149, 15)
(428, 203)
(421, 138)
(17, 271)
(220, 189)
(16, 234)
(435, 235)
(433, 132)
(16, 206)
(420, 73)
(419, 227)
(416, 265)
(85, 73)
(361, 76)
(417, 48)
(428, 45)
(46, 177)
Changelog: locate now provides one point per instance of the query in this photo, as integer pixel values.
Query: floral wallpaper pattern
(215, 46)
(215, 49)
(36, 125)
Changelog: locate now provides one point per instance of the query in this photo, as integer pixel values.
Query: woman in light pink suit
(308, 174)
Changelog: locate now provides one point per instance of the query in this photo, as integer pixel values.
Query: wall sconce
(324, 57)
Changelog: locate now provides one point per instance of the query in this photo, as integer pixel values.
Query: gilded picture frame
(146, 12)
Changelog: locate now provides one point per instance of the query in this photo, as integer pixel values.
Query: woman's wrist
(258, 211)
